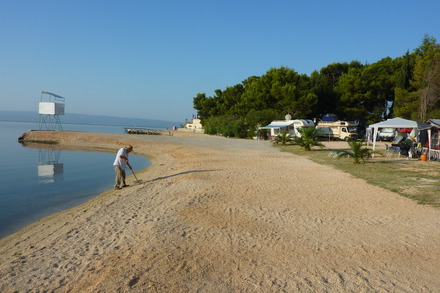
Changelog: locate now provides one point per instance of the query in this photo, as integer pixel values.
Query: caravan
(291, 126)
(332, 128)
(344, 130)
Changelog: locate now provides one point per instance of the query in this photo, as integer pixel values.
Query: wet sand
(214, 214)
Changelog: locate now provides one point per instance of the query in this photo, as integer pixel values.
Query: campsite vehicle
(344, 130)
(387, 134)
(291, 126)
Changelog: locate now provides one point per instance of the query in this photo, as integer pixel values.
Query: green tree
(405, 74)
(427, 77)
(367, 92)
(405, 101)
(205, 106)
(323, 84)
(419, 100)
(282, 90)
(228, 101)
(406, 104)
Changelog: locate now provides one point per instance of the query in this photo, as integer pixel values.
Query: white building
(195, 125)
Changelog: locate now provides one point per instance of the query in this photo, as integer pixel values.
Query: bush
(225, 125)
(284, 138)
(357, 152)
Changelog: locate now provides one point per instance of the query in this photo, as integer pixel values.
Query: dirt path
(224, 215)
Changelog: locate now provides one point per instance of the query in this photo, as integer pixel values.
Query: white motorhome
(344, 130)
(291, 126)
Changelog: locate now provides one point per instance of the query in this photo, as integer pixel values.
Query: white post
(429, 144)
(375, 129)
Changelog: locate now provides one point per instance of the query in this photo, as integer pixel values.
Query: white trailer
(344, 130)
(291, 126)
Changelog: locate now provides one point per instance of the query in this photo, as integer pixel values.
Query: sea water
(37, 182)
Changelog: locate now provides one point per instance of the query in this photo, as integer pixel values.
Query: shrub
(226, 126)
(309, 137)
(283, 138)
(357, 152)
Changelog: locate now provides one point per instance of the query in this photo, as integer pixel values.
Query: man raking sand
(121, 162)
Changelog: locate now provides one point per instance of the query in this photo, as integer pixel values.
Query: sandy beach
(214, 214)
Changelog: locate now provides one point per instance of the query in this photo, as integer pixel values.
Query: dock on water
(143, 131)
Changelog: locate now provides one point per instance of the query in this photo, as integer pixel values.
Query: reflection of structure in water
(49, 169)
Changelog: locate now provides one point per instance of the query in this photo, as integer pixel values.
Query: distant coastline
(75, 118)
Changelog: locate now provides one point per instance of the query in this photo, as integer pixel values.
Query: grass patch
(411, 178)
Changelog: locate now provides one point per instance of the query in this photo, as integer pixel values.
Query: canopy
(399, 123)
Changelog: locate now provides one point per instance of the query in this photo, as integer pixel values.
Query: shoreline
(216, 214)
(62, 198)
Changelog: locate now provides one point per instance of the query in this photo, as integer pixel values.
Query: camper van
(344, 130)
(291, 126)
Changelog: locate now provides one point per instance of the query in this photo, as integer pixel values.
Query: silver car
(387, 134)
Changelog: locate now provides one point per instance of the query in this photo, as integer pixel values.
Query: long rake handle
(134, 175)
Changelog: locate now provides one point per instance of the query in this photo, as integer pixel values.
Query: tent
(400, 123)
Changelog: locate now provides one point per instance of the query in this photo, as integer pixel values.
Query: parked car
(387, 134)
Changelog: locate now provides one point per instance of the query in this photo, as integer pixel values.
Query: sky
(149, 59)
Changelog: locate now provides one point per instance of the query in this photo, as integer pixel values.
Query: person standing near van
(120, 163)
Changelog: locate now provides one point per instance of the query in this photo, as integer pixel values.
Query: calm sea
(35, 183)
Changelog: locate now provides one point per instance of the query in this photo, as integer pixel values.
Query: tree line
(407, 87)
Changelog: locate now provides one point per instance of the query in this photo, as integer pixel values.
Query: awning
(435, 122)
(271, 126)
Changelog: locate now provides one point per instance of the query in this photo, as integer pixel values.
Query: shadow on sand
(183, 173)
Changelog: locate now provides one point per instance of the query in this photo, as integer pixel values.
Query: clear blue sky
(148, 59)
